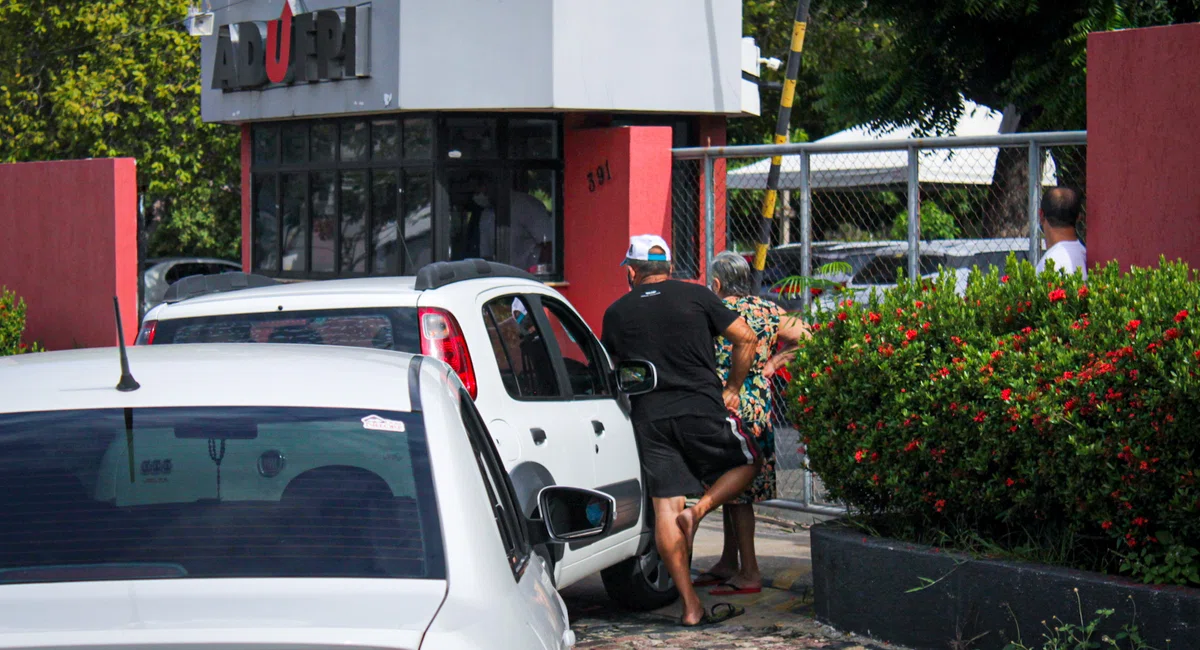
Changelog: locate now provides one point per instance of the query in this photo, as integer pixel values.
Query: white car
(539, 377)
(284, 496)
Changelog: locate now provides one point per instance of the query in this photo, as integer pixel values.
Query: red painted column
(68, 253)
(247, 199)
(599, 218)
(1143, 201)
(712, 134)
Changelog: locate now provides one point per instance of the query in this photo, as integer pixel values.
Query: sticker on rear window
(376, 423)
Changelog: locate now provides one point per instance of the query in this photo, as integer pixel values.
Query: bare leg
(727, 566)
(742, 515)
(731, 484)
(673, 549)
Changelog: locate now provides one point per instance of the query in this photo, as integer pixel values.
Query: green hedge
(12, 325)
(1035, 415)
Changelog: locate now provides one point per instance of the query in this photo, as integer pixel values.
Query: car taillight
(146, 335)
(442, 339)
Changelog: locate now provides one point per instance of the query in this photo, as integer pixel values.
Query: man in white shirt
(1060, 211)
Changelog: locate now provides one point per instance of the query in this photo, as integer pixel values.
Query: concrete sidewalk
(782, 546)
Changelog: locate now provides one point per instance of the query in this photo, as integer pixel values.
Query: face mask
(480, 199)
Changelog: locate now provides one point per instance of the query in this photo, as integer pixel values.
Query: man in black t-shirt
(686, 435)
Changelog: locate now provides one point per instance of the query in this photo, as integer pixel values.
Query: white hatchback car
(289, 495)
(541, 379)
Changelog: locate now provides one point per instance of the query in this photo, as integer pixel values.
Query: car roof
(235, 374)
(350, 293)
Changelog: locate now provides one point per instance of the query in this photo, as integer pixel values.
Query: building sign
(324, 45)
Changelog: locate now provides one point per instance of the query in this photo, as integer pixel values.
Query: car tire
(640, 583)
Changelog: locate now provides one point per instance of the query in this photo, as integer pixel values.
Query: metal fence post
(914, 213)
(710, 217)
(806, 225)
(1035, 199)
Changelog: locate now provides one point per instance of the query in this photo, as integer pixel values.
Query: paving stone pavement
(776, 618)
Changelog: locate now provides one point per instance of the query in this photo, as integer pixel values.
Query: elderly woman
(737, 571)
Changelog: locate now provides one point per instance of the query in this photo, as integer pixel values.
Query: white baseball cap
(640, 246)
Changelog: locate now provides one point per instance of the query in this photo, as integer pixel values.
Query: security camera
(772, 63)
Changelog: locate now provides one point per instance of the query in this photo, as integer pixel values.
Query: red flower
(1058, 295)
(957, 341)
(1068, 375)
(910, 334)
(1106, 525)
(1083, 292)
(1004, 278)
(1006, 394)
(997, 354)
(860, 455)
(912, 445)
(918, 304)
(1132, 326)
(866, 338)
(815, 291)
(874, 318)
(1070, 405)
(1171, 334)
(939, 505)
(1009, 482)
(816, 327)
(945, 372)
(981, 416)
(1181, 316)
(1140, 521)
(925, 326)
(842, 315)
(784, 374)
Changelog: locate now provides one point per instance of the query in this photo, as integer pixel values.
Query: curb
(797, 581)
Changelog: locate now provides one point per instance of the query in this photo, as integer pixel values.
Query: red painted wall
(67, 253)
(712, 134)
(1143, 92)
(599, 220)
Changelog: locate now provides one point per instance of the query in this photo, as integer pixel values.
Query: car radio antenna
(127, 383)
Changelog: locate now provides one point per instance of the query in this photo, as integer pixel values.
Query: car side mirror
(574, 514)
(635, 377)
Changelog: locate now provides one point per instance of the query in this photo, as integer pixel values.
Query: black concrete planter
(861, 584)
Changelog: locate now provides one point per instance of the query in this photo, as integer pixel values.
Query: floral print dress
(763, 317)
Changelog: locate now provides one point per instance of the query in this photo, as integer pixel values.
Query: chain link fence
(866, 213)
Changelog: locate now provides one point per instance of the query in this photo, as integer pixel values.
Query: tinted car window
(382, 329)
(520, 349)
(216, 492)
(581, 353)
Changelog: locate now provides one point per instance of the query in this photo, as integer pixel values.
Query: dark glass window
(383, 329)
(352, 197)
(216, 492)
(520, 349)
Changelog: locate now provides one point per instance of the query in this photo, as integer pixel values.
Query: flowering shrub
(1034, 409)
(12, 324)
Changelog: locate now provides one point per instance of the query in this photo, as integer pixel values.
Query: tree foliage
(107, 78)
(1027, 54)
(838, 39)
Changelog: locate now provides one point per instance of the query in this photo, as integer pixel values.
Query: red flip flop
(730, 589)
(708, 580)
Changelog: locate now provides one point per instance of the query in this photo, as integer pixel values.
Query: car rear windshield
(122, 494)
(393, 328)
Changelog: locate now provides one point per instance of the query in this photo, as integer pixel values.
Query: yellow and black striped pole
(799, 26)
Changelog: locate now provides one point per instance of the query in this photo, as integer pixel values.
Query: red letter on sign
(279, 45)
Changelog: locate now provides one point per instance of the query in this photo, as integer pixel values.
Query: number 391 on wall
(597, 178)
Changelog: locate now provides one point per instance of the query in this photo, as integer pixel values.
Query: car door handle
(598, 427)
(539, 435)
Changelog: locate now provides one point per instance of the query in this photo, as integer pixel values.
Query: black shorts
(681, 454)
